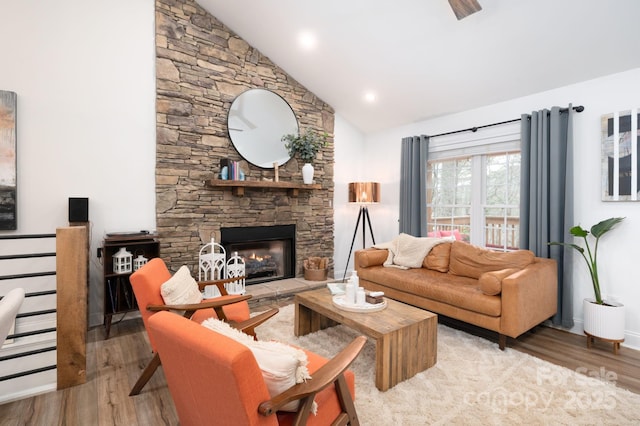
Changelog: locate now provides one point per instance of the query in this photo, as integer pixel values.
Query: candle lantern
(122, 261)
(236, 269)
(139, 261)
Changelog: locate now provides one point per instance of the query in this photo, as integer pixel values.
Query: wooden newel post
(71, 295)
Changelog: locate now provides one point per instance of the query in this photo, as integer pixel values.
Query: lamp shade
(364, 192)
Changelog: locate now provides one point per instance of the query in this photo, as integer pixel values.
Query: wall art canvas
(620, 161)
(8, 175)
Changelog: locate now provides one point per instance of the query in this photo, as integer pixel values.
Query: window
(473, 187)
(449, 196)
(501, 207)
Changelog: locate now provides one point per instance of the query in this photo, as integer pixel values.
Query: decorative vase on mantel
(306, 145)
(307, 173)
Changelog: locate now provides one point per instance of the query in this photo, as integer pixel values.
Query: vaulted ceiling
(420, 61)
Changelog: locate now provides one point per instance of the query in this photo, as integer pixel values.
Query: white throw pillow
(181, 289)
(282, 365)
(225, 329)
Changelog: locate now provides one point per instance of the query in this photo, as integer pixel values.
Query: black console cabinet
(118, 295)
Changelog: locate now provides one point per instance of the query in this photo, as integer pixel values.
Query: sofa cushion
(438, 258)
(370, 257)
(491, 282)
(461, 292)
(471, 261)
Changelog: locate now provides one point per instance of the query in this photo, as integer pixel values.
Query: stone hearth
(281, 291)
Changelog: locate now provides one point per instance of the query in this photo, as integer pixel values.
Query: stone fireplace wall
(201, 66)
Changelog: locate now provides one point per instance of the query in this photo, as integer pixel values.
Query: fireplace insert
(268, 252)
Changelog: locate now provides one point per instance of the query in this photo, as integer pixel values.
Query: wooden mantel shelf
(238, 186)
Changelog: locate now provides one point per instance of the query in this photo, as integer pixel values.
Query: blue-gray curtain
(413, 185)
(546, 195)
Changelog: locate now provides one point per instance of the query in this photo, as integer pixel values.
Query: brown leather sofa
(507, 292)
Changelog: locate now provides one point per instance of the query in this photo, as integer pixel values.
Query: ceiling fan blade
(464, 8)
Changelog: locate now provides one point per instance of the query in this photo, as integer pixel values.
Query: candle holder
(122, 261)
(139, 261)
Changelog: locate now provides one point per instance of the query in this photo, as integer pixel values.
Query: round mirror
(257, 121)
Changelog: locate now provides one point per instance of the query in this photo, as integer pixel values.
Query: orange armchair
(216, 380)
(234, 309)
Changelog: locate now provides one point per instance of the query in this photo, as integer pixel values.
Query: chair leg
(146, 374)
(344, 396)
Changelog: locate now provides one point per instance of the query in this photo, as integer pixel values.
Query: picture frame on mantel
(620, 156)
(8, 163)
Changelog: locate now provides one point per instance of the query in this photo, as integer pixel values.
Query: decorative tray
(340, 303)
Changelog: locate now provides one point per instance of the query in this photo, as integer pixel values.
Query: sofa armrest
(369, 257)
(529, 297)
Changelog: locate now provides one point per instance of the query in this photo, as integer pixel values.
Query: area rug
(472, 383)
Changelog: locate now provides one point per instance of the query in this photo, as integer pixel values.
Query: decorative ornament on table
(353, 285)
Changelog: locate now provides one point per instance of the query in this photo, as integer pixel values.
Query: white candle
(351, 293)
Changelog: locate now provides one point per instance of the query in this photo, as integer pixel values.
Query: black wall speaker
(78, 210)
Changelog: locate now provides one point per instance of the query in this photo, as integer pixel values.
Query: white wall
(617, 258)
(349, 154)
(358, 161)
(85, 77)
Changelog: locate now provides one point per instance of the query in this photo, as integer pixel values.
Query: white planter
(604, 321)
(307, 173)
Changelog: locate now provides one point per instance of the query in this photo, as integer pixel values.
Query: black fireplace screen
(268, 251)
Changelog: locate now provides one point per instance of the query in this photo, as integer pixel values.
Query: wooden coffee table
(405, 335)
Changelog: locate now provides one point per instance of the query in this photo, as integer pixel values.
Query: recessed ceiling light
(307, 40)
(370, 97)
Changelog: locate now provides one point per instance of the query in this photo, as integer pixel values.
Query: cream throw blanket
(407, 251)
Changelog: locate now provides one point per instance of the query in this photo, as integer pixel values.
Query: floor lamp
(363, 193)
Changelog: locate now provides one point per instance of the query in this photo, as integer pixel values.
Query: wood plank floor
(113, 366)
(570, 350)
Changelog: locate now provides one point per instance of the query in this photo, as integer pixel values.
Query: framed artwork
(8, 176)
(620, 161)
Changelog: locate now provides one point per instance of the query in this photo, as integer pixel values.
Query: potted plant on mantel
(306, 145)
(603, 319)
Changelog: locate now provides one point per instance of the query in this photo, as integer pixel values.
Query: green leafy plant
(306, 144)
(589, 256)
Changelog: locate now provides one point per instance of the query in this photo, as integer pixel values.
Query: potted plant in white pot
(306, 145)
(602, 318)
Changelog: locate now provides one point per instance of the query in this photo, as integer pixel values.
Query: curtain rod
(578, 108)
